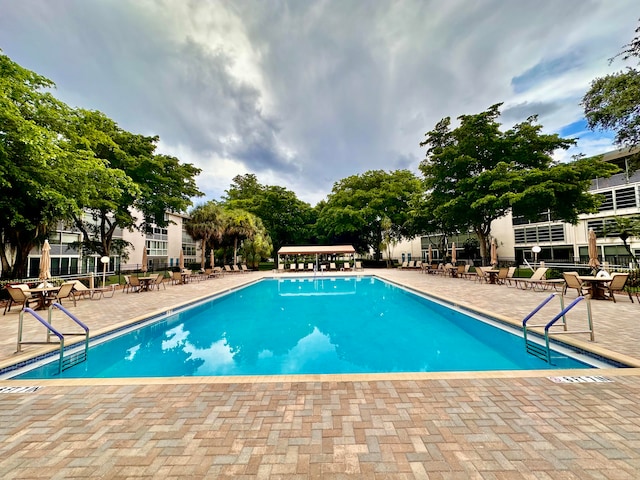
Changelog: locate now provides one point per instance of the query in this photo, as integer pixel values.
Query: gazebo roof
(312, 249)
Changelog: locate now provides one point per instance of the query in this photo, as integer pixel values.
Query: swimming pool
(309, 326)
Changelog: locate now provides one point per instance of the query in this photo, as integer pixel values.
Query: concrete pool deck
(486, 425)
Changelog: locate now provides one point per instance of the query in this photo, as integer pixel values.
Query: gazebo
(317, 250)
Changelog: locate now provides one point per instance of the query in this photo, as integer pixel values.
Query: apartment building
(163, 246)
(558, 242)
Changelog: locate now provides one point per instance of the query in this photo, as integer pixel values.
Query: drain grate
(581, 379)
(19, 389)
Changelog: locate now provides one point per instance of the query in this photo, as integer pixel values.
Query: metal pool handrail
(62, 362)
(536, 349)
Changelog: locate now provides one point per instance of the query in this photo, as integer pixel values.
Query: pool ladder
(544, 351)
(63, 362)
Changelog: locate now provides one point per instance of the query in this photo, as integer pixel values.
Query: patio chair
(617, 284)
(332, 266)
(159, 281)
(19, 296)
(66, 291)
(346, 266)
(481, 275)
(572, 280)
(359, 266)
(502, 276)
(127, 284)
(292, 267)
(509, 281)
(134, 284)
(310, 266)
(280, 267)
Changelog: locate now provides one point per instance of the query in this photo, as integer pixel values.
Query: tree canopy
(287, 219)
(59, 164)
(476, 173)
(613, 101)
(361, 207)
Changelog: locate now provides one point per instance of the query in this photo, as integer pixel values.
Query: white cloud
(305, 93)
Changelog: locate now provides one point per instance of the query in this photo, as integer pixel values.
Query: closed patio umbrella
(45, 262)
(453, 253)
(181, 264)
(430, 254)
(143, 268)
(494, 252)
(594, 263)
(212, 259)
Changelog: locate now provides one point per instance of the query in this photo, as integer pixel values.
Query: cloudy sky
(304, 93)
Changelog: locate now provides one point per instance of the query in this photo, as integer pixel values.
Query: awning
(319, 249)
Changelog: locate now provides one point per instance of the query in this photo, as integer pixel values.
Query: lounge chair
(346, 266)
(359, 266)
(244, 269)
(80, 290)
(404, 265)
(176, 278)
(19, 296)
(332, 266)
(509, 281)
(617, 284)
(310, 266)
(292, 267)
(536, 280)
(236, 269)
(227, 269)
(280, 267)
(466, 273)
(301, 267)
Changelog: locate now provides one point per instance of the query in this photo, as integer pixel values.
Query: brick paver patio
(491, 425)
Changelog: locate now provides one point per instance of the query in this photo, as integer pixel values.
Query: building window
(607, 202)
(626, 198)
(557, 233)
(157, 248)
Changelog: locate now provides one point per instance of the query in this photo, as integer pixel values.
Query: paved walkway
(492, 425)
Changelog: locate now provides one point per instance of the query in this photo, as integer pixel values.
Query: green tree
(475, 174)
(625, 228)
(240, 225)
(357, 206)
(136, 189)
(613, 101)
(42, 178)
(206, 223)
(254, 250)
(287, 219)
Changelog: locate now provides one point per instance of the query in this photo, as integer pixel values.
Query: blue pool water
(309, 326)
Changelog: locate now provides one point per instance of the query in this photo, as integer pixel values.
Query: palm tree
(206, 223)
(240, 224)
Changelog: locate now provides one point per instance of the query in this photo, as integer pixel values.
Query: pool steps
(543, 351)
